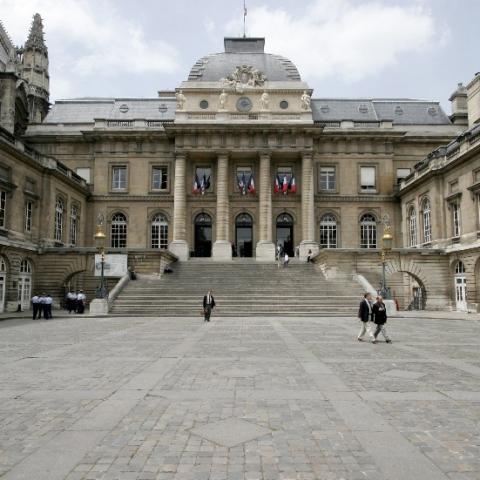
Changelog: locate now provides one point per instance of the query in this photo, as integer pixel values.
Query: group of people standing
(76, 301)
(372, 312)
(42, 306)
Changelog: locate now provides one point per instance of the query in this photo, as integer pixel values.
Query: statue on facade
(222, 100)
(306, 100)
(264, 101)
(180, 100)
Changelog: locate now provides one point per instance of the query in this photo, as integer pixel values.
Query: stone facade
(196, 170)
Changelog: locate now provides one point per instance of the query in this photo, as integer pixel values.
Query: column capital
(307, 154)
(180, 155)
(220, 154)
(265, 154)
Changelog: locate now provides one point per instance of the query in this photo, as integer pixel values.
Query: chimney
(473, 100)
(458, 98)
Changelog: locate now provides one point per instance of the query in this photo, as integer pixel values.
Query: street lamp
(100, 244)
(387, 240)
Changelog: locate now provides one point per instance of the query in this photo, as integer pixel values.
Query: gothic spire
(35, 37)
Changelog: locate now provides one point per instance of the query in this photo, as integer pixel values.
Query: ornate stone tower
(35, 71)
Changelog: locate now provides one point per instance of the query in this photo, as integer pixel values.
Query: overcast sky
(342, 48)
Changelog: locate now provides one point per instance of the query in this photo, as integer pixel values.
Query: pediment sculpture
(245, 76)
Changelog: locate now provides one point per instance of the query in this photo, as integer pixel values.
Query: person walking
(379, 314)
(208, 305)
(71, 301)
(36, 307)
(309, 256)
(48, 304)
(286, 259)
(365, 316)
(81, 301)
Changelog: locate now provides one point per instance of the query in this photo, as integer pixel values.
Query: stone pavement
(246, 399)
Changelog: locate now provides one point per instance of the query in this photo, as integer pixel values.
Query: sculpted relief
(245, 76)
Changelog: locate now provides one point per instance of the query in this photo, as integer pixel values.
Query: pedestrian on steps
(286, 259)
(379, 313)
(365, 316)
(208, 305)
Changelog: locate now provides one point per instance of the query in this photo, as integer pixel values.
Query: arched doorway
(3, 283)
(24, 292)
(203, 235)
(460, 287)
(244, 235)
(284, 227)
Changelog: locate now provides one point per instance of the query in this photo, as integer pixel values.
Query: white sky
(342, 48)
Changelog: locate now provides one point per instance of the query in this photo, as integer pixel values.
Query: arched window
(427, 221)
(243, 220)
(26, 267)
(3, 265)
(328, 231)
(368, 231)
(59, 214)
(159, 231)
(285, 219)
(73, 224)
(412, 227)
(118, 231)
(459, 268)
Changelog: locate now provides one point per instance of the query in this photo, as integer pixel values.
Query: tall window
(328, 231)
(59, 213)
(243, 173)
(368, 231)
(427, 221)
(159, 178)
(159, 231)
(3, 208)
(28, 215)
(456, 222)
(328, 179)
(118, 231)
(367, 179)
(119, 178)
(283, 172)
(73, 225)
(412, 227)
(402, 173)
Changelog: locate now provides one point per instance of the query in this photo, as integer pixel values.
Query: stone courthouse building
(243, 156)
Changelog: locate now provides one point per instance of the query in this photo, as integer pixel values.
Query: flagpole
(244, 19)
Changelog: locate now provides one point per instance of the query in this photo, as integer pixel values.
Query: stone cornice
(355, 198)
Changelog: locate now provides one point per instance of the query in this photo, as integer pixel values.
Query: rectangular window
(367, 179)
(454, 186)
(328, 179)
(4, 173)
(159, 178)
(243, 174)
(73, 225)
(204, 177)
(119, 178)
(30, 186)
(456, 219)
(85, 173)
(3, 208)
(476, 176)
(28, 216)
(402, 173)
(283, 172)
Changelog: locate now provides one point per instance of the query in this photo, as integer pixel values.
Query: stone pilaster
(179, 245)
(308, 211)
(222, 248)
(265, 247)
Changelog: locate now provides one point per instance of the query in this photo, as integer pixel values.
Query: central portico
(243, 117)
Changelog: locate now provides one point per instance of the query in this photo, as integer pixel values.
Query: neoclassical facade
(241, 157)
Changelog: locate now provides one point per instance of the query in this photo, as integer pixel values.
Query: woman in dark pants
(379, 314)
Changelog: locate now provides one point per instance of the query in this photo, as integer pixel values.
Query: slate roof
(86, 110)
(400, 111)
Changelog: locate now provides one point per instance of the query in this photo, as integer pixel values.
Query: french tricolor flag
(251, 185)
(276, 187)
(293, 185)
(285, 185)
(196, 185)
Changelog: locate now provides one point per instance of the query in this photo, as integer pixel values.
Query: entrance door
(460, 287)
(3, 283)
(285, 233)
(203, 235)
(24, 289)
(244, 235)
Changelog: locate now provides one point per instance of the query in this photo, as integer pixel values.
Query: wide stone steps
(240, 289)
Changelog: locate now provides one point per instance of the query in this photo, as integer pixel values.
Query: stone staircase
(241, 288)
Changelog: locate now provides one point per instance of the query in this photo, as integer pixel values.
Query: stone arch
(412, 287)
(76, 274)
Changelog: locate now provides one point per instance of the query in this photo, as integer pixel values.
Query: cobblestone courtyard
(255, 398)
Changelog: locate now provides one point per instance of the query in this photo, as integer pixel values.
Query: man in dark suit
(379, 314)
(208, 305)
(365, 316)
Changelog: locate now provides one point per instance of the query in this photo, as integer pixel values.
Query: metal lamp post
(100, 244)
(387, 240)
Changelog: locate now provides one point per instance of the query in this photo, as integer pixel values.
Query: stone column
(265, 247)
(179, 245)
(308, 211)
(222, 248)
